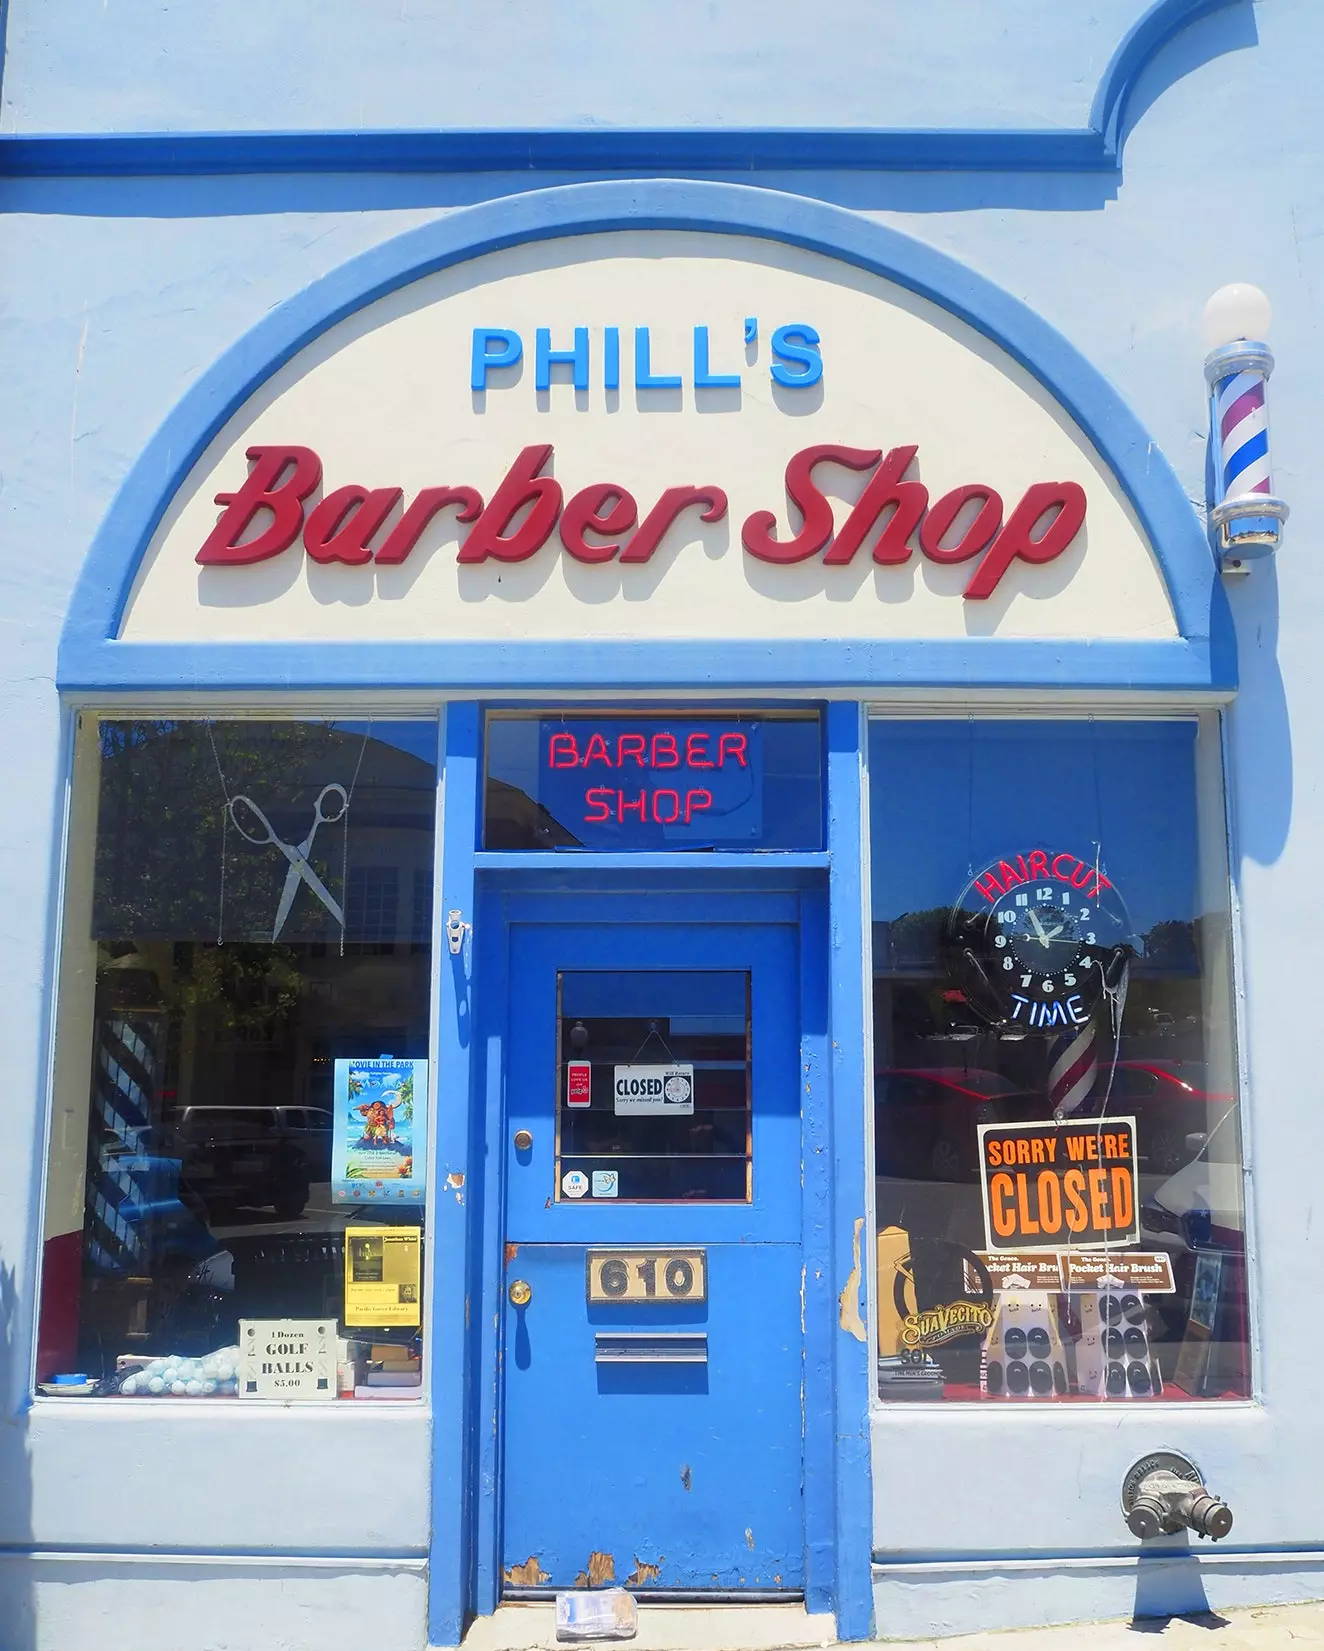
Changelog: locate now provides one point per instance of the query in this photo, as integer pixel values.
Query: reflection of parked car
(1196, 1211)
(166, 1218)
(1201, 1206)
(926, 1118)
(1170, 1105)
(252, 1156)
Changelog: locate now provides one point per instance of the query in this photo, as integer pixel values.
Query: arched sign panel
(647, 402)
(717, 457)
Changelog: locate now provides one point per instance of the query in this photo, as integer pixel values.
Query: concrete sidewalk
(1264, 1628)
(788, 1628)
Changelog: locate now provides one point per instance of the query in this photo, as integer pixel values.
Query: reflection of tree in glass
(246, 986)
(163, 831)
(404, 1106)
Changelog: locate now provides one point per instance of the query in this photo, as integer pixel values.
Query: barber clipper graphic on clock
(1040, 941)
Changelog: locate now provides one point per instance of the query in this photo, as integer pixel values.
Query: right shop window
(1058, 1153)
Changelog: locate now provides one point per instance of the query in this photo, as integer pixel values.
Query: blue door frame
(823, 896)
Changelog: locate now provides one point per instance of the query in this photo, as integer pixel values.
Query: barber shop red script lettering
(601, 523)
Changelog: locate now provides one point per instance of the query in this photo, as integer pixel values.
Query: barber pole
(1074, 1070)
(1244, 516)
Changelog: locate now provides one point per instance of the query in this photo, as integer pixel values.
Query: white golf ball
(156, 1385)
(178, 1389)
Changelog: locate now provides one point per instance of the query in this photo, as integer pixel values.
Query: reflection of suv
(926, 1118)
(1201, 1206)
(251, 1156)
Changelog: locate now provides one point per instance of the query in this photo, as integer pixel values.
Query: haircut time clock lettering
(1038, 937)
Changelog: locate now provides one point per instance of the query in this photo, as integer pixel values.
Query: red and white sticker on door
(579, 1083)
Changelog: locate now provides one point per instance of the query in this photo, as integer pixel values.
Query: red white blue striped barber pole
(1074, 1070)
(1243, 433)
(1246, 519)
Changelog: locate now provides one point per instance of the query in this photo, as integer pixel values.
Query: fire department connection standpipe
(1164, 1493)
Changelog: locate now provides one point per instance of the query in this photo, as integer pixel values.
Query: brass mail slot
(647, 1275)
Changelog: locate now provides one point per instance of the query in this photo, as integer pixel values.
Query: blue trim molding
(1202, 657)
(1093, 148)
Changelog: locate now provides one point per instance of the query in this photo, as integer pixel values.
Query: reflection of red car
(1170, 1106)
(926, 1118)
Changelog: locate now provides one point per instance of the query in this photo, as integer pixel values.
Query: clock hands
(1042, 934)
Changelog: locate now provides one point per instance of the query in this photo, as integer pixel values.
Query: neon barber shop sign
(629, 782)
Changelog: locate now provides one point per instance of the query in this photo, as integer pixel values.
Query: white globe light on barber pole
(1245, 517)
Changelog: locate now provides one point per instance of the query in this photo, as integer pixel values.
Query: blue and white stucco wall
(190, 198)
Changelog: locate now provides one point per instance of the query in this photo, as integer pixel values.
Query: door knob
(520, 1293)
(523, 1140)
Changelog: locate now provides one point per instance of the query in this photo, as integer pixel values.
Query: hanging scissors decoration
(296, 853)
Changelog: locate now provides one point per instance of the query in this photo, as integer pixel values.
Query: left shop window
(236, 1187)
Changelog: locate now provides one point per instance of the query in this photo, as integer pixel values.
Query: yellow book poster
(382, 1274)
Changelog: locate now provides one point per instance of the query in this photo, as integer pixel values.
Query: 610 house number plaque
(647, 1275)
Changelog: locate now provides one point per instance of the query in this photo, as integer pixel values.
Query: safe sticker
(574, 1183)
(653, 1091)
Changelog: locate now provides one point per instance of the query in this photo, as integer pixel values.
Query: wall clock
(1038, 938)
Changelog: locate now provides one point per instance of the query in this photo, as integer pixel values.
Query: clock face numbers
(1037, 938)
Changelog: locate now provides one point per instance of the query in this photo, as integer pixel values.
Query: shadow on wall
(1259, 726)
(18, 1626)
(1168, 1585)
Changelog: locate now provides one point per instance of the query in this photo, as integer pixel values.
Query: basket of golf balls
(216, 1375)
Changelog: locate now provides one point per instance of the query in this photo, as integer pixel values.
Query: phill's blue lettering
(796, 362)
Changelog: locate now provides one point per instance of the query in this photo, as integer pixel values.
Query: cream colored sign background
(384, 399)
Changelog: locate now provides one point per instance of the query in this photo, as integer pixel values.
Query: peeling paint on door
(528, 1575)
(643, 1572)
(685, 1477)
(849, 1299)
(601, 1568)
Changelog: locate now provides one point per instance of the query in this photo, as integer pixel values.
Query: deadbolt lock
(523, 1140)
(520, 1293)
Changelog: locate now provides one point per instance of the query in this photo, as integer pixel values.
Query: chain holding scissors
(295, 853)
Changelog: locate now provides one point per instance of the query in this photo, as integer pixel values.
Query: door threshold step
(531, 1626)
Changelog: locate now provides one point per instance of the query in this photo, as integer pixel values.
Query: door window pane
(653, 1087)
(234, 937)
(1059, 1184)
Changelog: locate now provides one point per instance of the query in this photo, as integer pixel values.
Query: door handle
(520, 1293)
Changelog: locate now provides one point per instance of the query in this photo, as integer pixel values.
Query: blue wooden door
(651, 1306)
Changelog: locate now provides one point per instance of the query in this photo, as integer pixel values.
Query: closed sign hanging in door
(653, 1089)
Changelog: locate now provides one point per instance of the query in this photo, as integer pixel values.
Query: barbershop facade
(660, 933)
